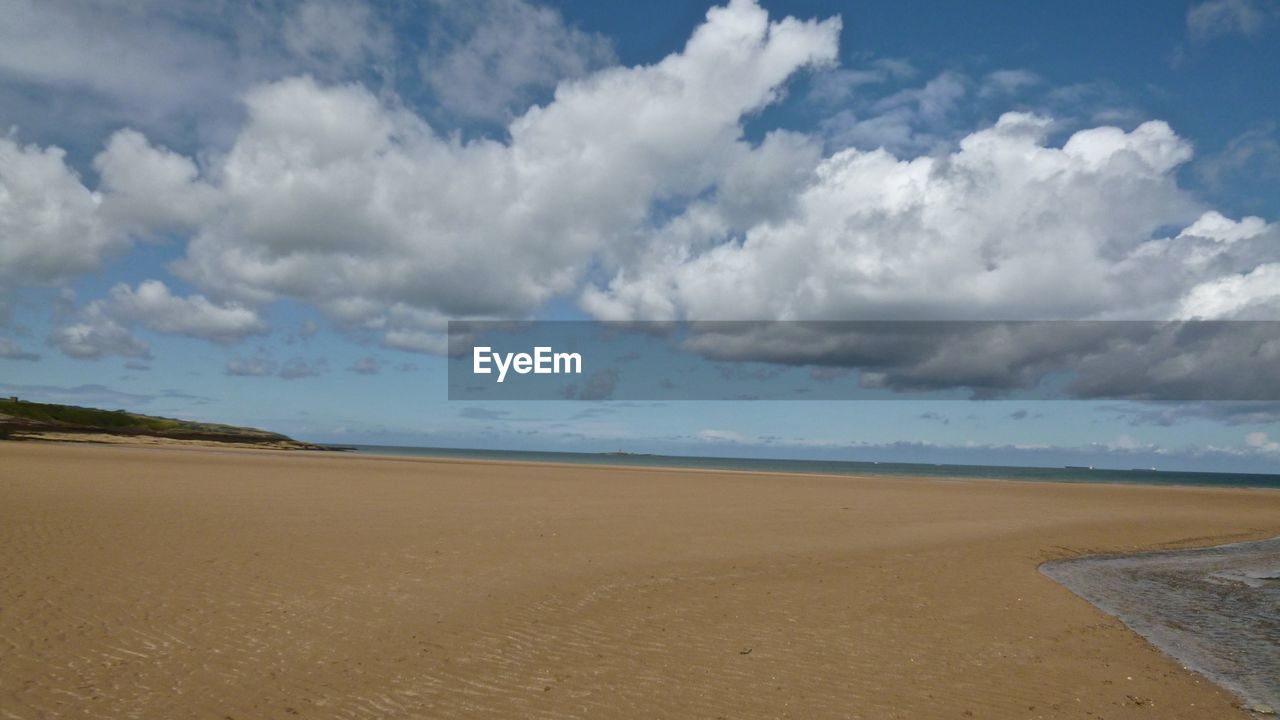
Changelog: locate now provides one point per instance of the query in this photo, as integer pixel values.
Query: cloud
(10, 350)
(154, 307)
(859, 107)
(1256, 293)
(912, 120)
(297, 368)
(332, 196)
(592, 412)
(88, 394)
(479, 413)
(341, 33)
(102, 327)
(352, 212)
(423, 341)
(1261, 443)
(172, 69)
(56, 44)
(95, 335)
(1217, 227)
(1124, 452)
(599, 385)
(148, 189)
(263, 366)
(1249, 156)
(1007, 82)
(630, 188)
(1218, 361)
(720, 436)
(53, 228)
(1005, 226)
(838, 85)
(50, 228)
(256, 366)
(489, 60)
(1216, 18)
(366, 366)
(1127, 443)
(93, 394)
(1230, 413)
(826, 373)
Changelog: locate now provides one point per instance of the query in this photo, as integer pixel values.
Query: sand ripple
(165, 584)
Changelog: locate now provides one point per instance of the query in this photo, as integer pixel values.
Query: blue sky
(267, 217)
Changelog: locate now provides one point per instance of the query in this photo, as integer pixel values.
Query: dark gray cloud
(1086, 359)
(599, 385)
(1230, 413)
(1023, 360)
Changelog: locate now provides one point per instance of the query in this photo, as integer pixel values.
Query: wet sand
(1216, 610)
(176, 583)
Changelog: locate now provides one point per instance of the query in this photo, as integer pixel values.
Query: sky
(268, 214)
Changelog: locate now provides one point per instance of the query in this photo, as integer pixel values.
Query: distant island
(25, 420)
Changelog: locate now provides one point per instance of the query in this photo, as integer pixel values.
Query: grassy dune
(21, 419)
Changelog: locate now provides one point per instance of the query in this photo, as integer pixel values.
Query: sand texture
(192, 583)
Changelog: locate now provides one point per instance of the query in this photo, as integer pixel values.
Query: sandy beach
(197, 583)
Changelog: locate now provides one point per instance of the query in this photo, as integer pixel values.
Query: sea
(840, 467)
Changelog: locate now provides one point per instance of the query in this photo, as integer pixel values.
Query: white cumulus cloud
(96, 335)
(332, 196)
(50, 226)
(154, 307)
(148, 189)
(1006, 226)
(104, 327)
(634, 190)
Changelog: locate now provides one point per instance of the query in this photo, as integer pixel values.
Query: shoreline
(245, 583)
(1209, 608)
(357, 452)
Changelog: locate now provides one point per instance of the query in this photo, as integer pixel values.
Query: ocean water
(1215, 610)
(834, 467)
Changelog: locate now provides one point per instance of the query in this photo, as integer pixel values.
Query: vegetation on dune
(21, 416)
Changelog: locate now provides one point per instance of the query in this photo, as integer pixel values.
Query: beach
(207, 583)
